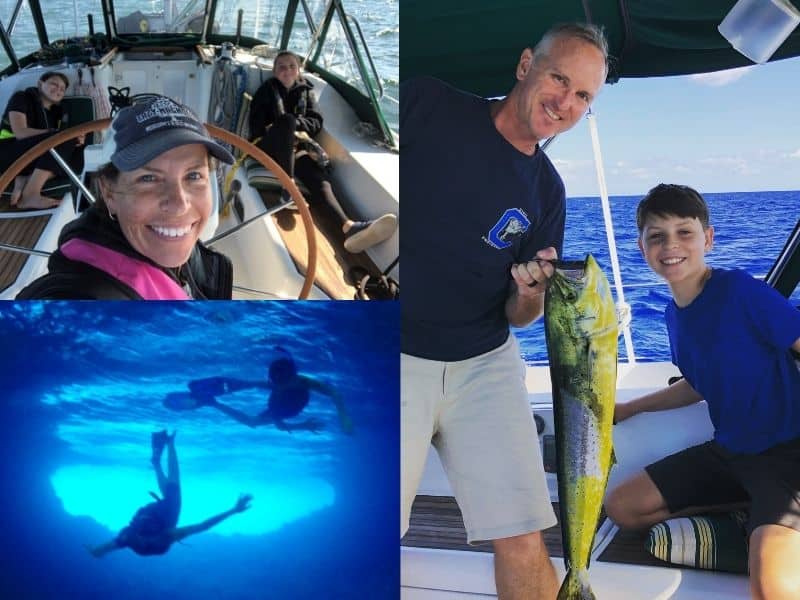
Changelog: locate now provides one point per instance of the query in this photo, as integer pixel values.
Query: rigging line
(587, 11)
(622, 307)
(222, 109)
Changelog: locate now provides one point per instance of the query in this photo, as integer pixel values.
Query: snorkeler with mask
(290, 393)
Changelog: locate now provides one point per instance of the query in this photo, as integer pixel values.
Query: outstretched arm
(330, 391)
(244, 418)
(313, 425)
(234, 385)
(19, 125)
(103, 549)
(242, 504)
(216, 386)
(675, 396)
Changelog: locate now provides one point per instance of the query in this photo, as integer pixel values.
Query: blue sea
(750, 229)
(83, 388)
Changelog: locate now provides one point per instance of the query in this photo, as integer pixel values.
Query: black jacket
(207, 274)
(272, 100)
(29, 101)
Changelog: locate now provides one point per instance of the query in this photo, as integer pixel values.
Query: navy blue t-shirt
(473, 205)
(732, 345)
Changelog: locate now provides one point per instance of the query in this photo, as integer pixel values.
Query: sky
(730, 131)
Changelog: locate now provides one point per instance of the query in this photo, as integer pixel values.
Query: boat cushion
(712, 541)
(78, 110)
(262, 178)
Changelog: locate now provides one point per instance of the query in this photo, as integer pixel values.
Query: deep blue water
(83, 387)
(750, 229)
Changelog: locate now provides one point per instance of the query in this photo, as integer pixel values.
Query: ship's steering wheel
(227, 137)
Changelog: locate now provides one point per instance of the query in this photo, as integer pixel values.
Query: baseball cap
(152, 126)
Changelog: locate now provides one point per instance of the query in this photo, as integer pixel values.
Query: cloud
(573, 166)
(720, 78)
(795, 154)
(729, 163)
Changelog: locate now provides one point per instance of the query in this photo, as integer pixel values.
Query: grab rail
(368, 53)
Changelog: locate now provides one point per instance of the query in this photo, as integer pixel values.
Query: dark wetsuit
(275, 115)
(150, 530)
(287, 400)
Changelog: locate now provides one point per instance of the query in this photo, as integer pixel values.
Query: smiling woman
(162, 206)
(141, 239)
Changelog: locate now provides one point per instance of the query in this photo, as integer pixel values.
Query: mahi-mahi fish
(581, 332)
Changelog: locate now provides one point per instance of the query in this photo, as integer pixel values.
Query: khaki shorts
(476, 414)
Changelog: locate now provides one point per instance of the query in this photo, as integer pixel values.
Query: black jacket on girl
(29, 102)
(272, 100)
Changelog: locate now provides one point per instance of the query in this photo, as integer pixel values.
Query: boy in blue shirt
(730, 336)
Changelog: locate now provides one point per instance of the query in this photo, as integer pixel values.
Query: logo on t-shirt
(512, 224)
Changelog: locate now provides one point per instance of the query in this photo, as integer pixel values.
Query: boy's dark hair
(668, 199)
(49, 74)
(282, 370)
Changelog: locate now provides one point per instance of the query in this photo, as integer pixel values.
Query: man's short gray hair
(587, 32)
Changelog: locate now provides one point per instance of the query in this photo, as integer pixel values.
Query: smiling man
(141, 240)
(484, 211)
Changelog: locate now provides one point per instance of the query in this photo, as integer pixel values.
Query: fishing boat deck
(436, 523)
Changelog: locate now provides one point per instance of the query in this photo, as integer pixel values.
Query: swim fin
(158, 439)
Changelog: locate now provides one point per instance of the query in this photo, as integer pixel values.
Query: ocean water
(379, 21)
(83, 390)
(750, 228)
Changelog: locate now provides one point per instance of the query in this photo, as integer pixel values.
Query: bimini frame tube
(623, 308)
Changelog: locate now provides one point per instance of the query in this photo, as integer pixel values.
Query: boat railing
(623, 309)
(366, 77)
(14, 16)
(377, 78)
(25, 251)
(74, 178)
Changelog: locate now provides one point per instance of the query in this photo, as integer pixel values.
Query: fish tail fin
(576, 586)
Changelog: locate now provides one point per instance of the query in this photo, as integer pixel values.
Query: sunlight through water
(111, 496)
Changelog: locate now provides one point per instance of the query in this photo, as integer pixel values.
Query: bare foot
(19, 185)
(28, 202)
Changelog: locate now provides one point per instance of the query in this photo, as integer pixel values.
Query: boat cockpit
(212, 56)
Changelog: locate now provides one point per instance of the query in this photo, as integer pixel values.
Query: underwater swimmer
(153, 528)
(289, 395)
